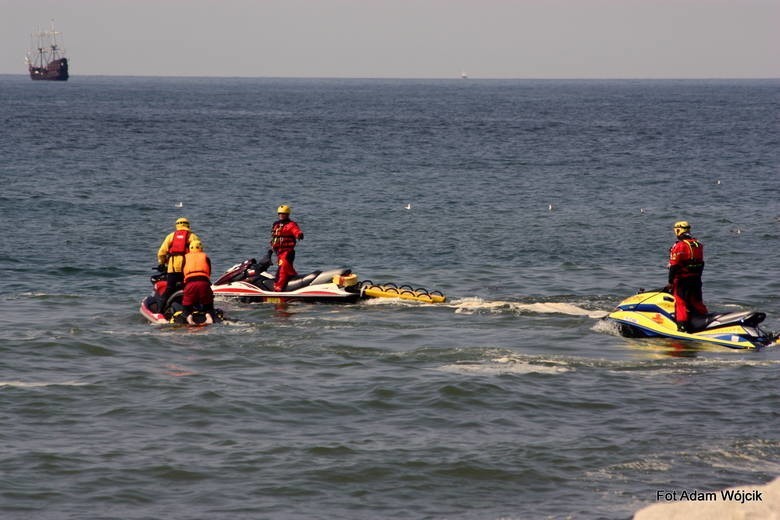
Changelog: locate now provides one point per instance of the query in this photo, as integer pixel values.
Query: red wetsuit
(686, 263)
(284, 235)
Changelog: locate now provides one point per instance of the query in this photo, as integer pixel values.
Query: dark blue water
(536, 206)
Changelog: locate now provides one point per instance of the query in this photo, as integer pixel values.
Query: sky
(403, 38)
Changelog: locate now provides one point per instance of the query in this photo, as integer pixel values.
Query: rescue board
(368, 289)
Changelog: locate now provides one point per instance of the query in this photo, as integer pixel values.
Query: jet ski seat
(747, 318)
(296, 282)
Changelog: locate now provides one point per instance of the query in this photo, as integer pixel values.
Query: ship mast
(52, 40)
(46, 47)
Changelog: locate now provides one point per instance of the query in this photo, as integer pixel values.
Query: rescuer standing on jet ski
(284, 235)
(170, 256)
(686, 263)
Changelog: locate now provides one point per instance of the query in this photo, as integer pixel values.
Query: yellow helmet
(182, 223)
(283, 209)
(680, 227)
(195, 245)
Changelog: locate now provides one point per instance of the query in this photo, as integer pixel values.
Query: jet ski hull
(321, 293)
(651, 315)
(158, 312)
(249, 282)
(156, 318)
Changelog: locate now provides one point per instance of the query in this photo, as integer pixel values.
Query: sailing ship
(46, 59)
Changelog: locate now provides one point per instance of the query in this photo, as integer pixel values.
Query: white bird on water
(408, 206)
(549, 207)
(179, 204)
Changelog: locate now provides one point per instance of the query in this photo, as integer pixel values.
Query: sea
(535, 206)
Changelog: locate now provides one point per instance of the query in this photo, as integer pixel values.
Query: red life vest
(180, 242)
(284, 234)
(687, 257)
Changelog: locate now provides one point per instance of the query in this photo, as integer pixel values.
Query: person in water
(284, 235)
(170, 256)
(197, 283)
(686, 264)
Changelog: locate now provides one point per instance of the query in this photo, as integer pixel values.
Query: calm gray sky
(404, 38)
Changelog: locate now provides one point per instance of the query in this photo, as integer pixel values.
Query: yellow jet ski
(651, 314)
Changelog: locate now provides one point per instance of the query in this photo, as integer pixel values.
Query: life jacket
(196, 264)
(180, 242)
(687, 257)
(283, 234)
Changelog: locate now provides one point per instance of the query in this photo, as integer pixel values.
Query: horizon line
(427, 78)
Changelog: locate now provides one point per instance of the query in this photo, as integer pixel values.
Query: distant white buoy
(642, 210)
(179, 204)
(549, 207)
(718, 181)
(408, 206)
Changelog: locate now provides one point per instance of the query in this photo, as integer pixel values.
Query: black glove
(668, 289)
(300, 237)
(161, 268)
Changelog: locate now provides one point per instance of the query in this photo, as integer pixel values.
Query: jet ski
(160, 312)
(250, 281)
(651, 314)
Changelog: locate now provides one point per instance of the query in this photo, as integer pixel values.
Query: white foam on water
(39, 384)
(36, 294)
(471, 305)
(618, 471)
(607, 327)
(507, 365)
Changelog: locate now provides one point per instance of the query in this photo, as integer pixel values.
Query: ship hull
(56, 70)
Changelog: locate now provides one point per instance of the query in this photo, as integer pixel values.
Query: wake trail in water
(472, 305)
(39, 384)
